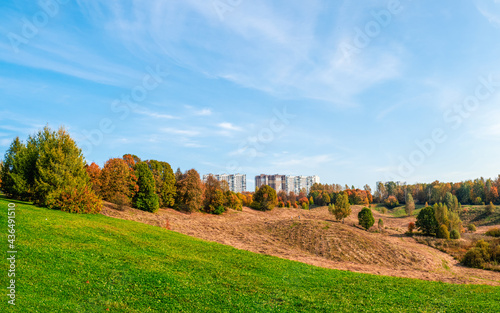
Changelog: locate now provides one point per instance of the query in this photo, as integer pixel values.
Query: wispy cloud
(182, 132)
(148, 113)
(229, 126)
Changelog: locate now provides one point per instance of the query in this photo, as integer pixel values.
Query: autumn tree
(189, 197)
(342, 207)
(410, 205)
(118, 184)
(146, 198)
(265, 198)
(214, 197)
(391, 202)
(94, 172)
(365, 218)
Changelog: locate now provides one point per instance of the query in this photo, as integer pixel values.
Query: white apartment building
(287, 183)
(236, 182)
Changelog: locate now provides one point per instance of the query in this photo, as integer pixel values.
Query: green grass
(133, 267)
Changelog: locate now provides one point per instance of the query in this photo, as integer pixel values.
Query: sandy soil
(313, 237)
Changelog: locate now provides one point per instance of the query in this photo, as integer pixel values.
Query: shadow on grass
(3, 197)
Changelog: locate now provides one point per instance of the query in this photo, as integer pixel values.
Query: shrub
(281, 204)
(494, 232)
(365, 218)
(295, 205)
(380, 224)
(471, 228)
(288, 204)
(305, 206)
(473, 258)
(411, 227)
(383, 210)
(219, 210)
(443, 232)
(391, 202)
(454, 234)
(75, 200)
(490, 208)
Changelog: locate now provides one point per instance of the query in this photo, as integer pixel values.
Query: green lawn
(90, 263)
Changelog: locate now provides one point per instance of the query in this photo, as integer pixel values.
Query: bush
(454, 234)
(305, 206)
(75, 200)
(443, 232)
(391, 202)
(490, 208)
(473, 258)
(494, 232)
(365, 218)
(219, 210)
(471, 228)
(411, 227)
(380, 224)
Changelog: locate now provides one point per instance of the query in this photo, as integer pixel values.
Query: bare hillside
(314, 237)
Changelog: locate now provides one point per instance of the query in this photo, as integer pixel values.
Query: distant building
(236, 182)
(286, 183)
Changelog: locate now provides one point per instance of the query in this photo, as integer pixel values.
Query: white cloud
(149, 113)
(229, 126)
(203, 112)
(182, 132)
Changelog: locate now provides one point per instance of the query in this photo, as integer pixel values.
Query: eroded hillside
(314, 237)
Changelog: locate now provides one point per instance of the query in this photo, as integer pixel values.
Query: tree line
(49, 169)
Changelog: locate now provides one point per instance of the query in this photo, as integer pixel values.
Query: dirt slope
(313, 237)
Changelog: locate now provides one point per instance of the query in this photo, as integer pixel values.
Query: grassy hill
(91, 263)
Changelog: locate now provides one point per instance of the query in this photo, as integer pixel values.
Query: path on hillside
(313, 237)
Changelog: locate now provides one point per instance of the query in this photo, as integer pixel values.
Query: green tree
(365, 218)
(265, 198)
(49, 170)
(342, 207)
(14, 171)
(146, 198)
(441, 211)
(426, 221)
(410, 204)
(165, 182)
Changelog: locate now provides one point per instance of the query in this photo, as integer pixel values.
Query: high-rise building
(277, 182)
(236, 182)
(287, 183)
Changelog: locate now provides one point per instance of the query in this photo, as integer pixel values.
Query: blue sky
(352, 92)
